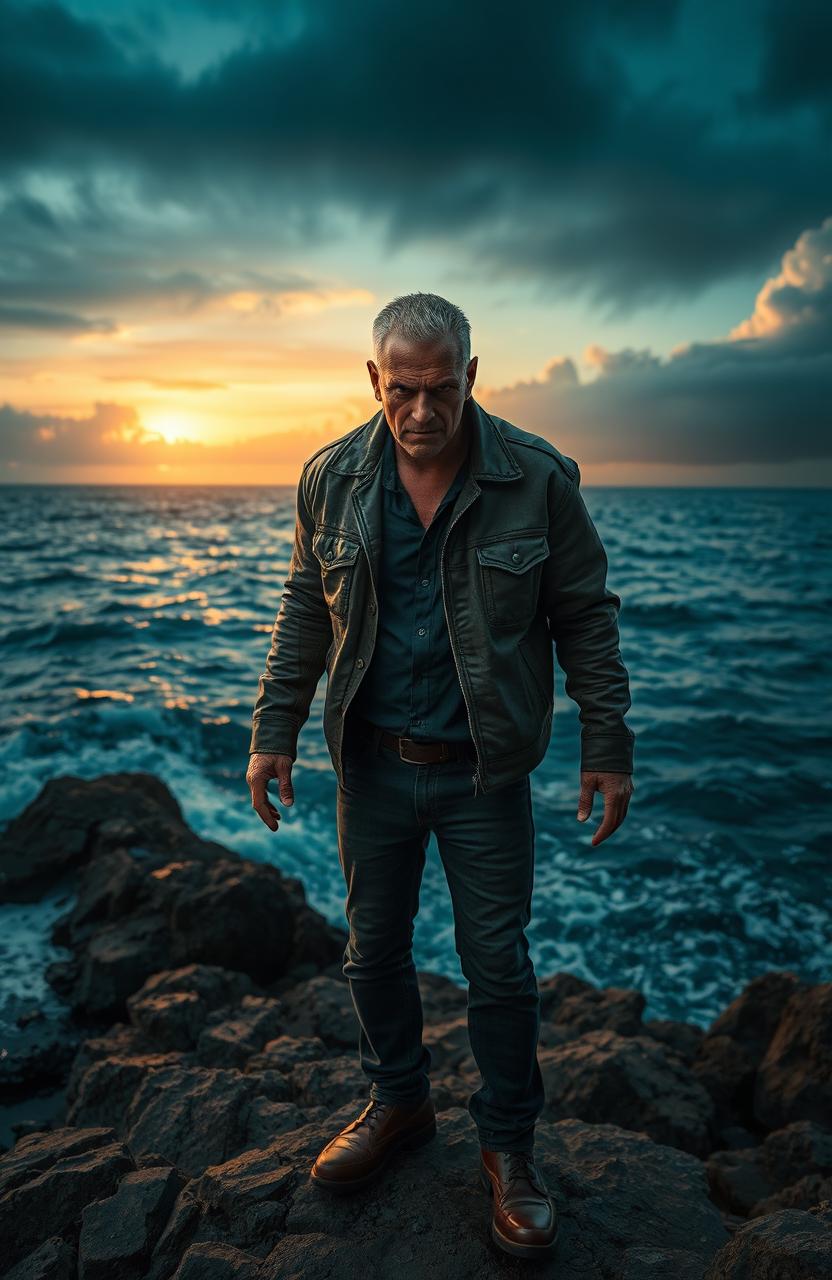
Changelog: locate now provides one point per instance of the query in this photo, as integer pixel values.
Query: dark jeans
(385, 812)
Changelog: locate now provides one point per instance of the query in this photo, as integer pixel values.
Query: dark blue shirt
(411, 686)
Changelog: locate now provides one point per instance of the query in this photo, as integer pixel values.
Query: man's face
(422, 388)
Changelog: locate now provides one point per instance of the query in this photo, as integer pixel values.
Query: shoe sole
(408, 1142)
(514, 1247)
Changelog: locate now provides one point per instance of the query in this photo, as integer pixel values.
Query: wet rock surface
(203, 1069)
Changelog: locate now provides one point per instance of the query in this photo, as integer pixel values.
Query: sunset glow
(190, 300)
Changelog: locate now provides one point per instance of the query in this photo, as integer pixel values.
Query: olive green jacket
(523, 570)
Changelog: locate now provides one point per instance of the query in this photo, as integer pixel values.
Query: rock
(119, 1233)
(71, 820)
(329, 1082)
(241, 1202)
(751, 1019)
(120, 1043)
(193, 1116)
(621, 1197)
(48, 1178)
(684, 1038)
(111, 885)
(610, 1008)
(557, 987)
(53, 1260)
(150, 892)
(214, 1261)
(626, 1203)
(249, 898)
(803, 1194)
(789, 1245)
(232, 1041)
(442, 999)
(738, 1179)
(174, 925)
(117, 960)
(283, 1053)
(449, 1047)
(794, 1081)
(322, 1007)
(725, 1068)
(173, 1006)
(741, 1179)
(631, 1081)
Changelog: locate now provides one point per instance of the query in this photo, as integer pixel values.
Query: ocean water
(136, 622)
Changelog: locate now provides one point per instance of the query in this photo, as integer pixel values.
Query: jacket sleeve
(583, 620)
(301, 637)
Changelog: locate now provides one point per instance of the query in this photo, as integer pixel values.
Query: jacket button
(515, 555)
(360, 662)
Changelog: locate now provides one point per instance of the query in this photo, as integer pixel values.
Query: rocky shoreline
(209, 1050)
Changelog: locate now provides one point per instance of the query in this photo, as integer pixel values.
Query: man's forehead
(419, 360)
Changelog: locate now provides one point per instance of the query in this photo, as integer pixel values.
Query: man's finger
(261, 803)
(586, 797)
(613, 817)
(284, 780)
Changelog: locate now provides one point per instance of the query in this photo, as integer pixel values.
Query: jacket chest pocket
(336, 554)
(510, 573)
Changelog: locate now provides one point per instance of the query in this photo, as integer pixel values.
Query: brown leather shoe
(524, 1221)
(357, 1155)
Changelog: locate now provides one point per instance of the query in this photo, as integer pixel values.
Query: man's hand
(261, 767)
(616, 788)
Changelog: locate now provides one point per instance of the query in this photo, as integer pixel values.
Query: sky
(202, 211)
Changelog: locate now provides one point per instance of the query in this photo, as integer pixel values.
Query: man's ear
(372, 369)
(470, 376)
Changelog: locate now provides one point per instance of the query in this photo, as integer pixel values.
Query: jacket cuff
(607, 753)
(274, 737)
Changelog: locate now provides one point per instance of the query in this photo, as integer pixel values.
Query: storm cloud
(567, 147)
(761, 394)
(175, 183)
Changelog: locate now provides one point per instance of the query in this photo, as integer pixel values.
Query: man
(439, 555)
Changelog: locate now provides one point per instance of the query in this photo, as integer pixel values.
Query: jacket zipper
(475, 776)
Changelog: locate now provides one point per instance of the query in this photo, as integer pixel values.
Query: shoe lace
(519, 1168)
(371, 1114)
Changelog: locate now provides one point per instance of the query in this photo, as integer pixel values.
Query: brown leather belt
(412, 751)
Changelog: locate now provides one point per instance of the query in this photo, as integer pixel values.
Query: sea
(136, 621)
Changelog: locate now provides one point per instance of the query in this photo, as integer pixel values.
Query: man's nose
(422, 410)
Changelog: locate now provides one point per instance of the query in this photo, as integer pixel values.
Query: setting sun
(171, 426)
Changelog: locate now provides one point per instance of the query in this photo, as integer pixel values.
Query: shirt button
(372, 607)
(426, 582)
(515, 555)
(360, 662)
(421, 631)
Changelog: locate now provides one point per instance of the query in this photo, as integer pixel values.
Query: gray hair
(422, 317)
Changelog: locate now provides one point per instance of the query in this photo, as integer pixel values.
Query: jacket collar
(489, 457)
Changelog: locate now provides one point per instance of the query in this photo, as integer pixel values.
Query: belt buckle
(444, 756)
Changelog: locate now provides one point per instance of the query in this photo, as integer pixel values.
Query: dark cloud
(796, 67)
(533, 141)
(82, 256)
(58, 321)
(762, 395)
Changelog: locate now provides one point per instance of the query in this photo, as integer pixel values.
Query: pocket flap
(515, 554)
(333, 549)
